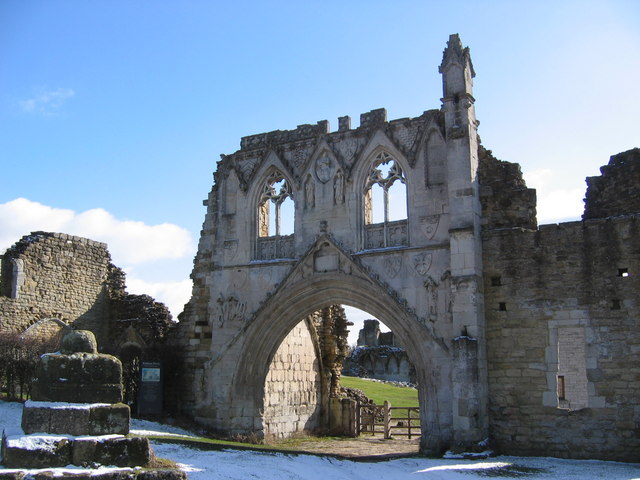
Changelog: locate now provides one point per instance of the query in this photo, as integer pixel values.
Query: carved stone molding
(230, 310)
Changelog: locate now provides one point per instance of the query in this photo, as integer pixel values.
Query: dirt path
(364, 447)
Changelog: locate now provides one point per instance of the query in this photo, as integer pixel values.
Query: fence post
(387, 419)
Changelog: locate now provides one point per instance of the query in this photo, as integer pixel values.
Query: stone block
(123, 452)
(70, 421)
(80, 377)
(35, 419)
(84, 451)
(162, 475)
(109, 419)
(75, 419)
(12, 475)
(37, 451)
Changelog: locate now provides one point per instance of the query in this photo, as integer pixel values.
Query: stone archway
(421, 275)
(285, 309)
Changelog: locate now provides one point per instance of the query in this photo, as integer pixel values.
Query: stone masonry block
(35, 419)
(75, 419)
(36, 451)
(84, 451)
(109, 419)
(80, 377)
(123, 452)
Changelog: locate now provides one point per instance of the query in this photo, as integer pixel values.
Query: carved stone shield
(230, 249)
(429, 225)
(392, 265)
(422, 263)
(348, 149)
(324, 168)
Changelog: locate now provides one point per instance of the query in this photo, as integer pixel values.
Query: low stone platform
(75, 418)
(41, 451)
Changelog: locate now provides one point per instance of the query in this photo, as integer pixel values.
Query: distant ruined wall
(562, 312)
(293, 386)
(55, 275)
(384, 362)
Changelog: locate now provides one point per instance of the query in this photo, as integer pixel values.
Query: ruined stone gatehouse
(522, 334)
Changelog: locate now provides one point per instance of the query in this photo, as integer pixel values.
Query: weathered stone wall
(53, 280)
(506, 200)
(55, 275)
(292, 397)
(544, 291)
(617, 190)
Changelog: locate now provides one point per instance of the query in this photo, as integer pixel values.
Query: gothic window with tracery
(385, 203)
(275, 210)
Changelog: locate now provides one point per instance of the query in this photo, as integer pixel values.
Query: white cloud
(47, 102)
(558, 200)
(130, 242)
(173, 294)
(560, 205)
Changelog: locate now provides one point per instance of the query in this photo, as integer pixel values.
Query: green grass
(379, 392)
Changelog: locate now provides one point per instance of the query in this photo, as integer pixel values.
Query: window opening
(615, 304)
(623, 272)
(385, 196)
(276, 200)
(561, 388)
(496, 281)
(502, 306)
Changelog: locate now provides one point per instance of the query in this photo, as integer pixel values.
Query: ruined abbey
(523, 334)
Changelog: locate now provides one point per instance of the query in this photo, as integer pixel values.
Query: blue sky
(113, 113)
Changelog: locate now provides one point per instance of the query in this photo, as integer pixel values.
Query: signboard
(150, 389)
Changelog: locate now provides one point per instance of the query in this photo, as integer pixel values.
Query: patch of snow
(449, 455)
(465, 337)
(64, 405)
(34, 442)
(240, 465)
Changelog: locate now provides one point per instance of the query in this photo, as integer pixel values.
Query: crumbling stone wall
(506, 200)
(617, 190)
(49, 280)
(55, 275)
(583, 276)
(383, 362)
(378, 356)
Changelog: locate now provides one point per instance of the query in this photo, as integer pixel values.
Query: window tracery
(385, 203)
(275, 213)
(276, 192)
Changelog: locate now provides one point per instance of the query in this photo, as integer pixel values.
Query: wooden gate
(387, 420)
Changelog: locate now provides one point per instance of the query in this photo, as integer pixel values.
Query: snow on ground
(232, 464)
